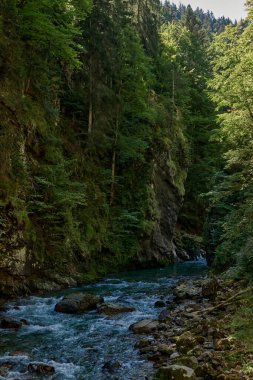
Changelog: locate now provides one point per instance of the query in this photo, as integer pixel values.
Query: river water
(78, 346)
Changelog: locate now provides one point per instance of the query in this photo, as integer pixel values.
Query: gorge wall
(30, 262)
(98, 105)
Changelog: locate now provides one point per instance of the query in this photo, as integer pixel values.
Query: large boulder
(187, 291)
(176, 372)
(78, 303)
(146, 326)
(112, 309)
(210, 288)
(10, 323)
(186, 342)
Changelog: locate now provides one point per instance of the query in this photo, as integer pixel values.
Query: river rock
(186, 291)
(165, 349)
(78, 303)
(41, 368)
(3, 372)
(174, 356)
(19, 353)
(111, 309)
(160, 304)
(176, 372)
(188, 361)
(24, 322)
(210, 288)
(186, 342)
(144, 343)
(146, 326)
(10, 323)
(111, 366)
(2, 304)
(224, 344)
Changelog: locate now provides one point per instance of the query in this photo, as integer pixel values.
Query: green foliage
(232, 197)
(93, 99)
(186, 61)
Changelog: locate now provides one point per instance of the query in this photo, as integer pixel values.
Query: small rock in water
(146, 326)
(41, 368)
(3, 372)
(7, 365)
(165, 314)
(2, 305)
(111, 309)
(160, 303)
(19, 353)
(10, 323)
(111, 366)
(24, 322)
(78, 303)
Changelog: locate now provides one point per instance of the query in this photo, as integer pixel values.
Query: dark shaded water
(79, 346)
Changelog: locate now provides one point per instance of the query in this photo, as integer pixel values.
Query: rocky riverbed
(192, 338)
(172, 323)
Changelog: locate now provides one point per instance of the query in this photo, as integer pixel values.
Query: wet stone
(19, 353)
(186, 342)
(111, 309)
(78, 303)
(10, 323)
(111, 366)
(41, 368)
(160, 304)
(165, 349)
(142, 343)
(186, 291)
(146, 326)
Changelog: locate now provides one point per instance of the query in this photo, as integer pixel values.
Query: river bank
(204, 334)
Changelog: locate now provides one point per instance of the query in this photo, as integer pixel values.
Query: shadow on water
(78, 346)
(188, 268)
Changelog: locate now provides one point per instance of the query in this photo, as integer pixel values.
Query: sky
(229, 8)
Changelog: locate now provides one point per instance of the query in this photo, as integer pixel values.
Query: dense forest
(126, 139)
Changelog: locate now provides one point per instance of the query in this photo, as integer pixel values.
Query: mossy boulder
(186, 342)
(176, 372)
(189, 361)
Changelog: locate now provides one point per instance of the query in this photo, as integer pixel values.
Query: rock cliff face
(21, 273)
(160, 248)
(13, 253)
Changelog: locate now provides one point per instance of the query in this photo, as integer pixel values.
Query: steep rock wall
(160, 249)
(22, 272)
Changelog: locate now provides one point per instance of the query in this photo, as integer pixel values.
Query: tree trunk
(90, 99)
(114, 157)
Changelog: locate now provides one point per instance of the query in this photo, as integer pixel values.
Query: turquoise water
(78, 346)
